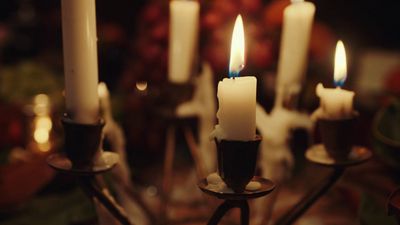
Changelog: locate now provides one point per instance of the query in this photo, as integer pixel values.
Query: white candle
(237, 96)
(80, 59)
(297, 22)
(184, 22)
(336, 103)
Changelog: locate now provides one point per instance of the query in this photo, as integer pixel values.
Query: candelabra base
(86, 178)
(60, 162)
(319, 155)
(267, 186)
(236, 200)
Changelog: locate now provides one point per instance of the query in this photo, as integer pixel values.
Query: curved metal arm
(88, 184)
(309, 199)
(226, 206)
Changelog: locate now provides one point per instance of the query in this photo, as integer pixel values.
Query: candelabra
(83, 158)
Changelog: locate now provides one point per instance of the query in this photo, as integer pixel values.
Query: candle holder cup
(337, 136)
(82, 142)
(237, 162)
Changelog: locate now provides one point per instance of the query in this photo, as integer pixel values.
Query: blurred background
(133, 51)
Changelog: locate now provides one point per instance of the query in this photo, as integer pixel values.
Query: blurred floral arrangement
(263, 23)
(19, 84)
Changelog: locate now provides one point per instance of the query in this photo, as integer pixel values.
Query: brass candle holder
(237, 162)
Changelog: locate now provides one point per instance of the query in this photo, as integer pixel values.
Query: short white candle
(80, 59)
(297, 23)
(184, 23)
(237, 96)
(336, 103)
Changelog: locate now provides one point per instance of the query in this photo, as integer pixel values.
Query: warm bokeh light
(44, 122)
(41, 99)
(237, 58)
(41, 135)
(141, 85)
(340, 70)
(41, 104)
(44, 147)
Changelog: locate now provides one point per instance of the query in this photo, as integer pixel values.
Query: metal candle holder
(336, 152)
(236, 166)
(237, 162)
(82, 142)
(337, 136)
(82, 150)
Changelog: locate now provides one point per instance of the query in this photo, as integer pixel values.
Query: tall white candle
(184, 23)
(237, 96)
(80, 59)
(297, 23)
(336, 103)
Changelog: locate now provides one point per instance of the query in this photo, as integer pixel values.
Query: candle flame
(236, 63)
(340, 70)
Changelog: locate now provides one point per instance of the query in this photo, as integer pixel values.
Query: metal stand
(236, 200)
(243, 205)
(87, 180)
(92, 189)
(170, 149)
(318, 155)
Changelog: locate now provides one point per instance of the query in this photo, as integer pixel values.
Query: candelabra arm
(88, 184)
(226, 206)
(309, 199)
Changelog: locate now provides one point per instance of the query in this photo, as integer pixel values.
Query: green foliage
(19, 83)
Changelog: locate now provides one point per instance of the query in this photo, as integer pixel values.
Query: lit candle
(184, 22)
(80, 60)
(297, 22)
(237, 95)
(336, 103)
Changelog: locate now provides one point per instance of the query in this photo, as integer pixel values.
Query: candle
(297, 21)
(336, 103)
(237, 95)
(80, 60)
(184, 22)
